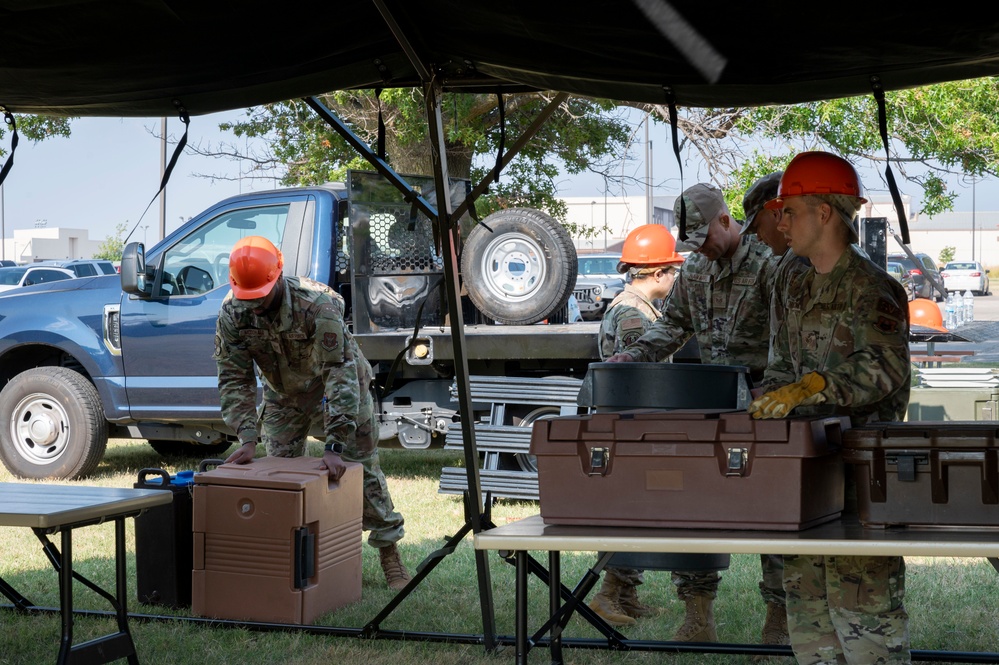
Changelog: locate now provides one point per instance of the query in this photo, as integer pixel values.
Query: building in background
(49, 244)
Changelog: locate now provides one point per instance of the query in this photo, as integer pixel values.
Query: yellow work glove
(778, 403)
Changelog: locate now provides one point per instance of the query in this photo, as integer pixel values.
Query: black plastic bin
(164, 541)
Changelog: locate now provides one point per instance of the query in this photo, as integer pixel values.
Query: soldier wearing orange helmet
(314, 376)
(842, 348)
(650, 261)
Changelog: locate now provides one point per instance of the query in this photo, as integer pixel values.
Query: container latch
(736, 462)
(598, 462)
(905, 464)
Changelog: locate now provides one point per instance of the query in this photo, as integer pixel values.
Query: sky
(109, 171)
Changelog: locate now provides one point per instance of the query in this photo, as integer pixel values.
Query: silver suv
(86, 267)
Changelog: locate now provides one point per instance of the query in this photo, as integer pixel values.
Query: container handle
(143, 473)
(205, 463)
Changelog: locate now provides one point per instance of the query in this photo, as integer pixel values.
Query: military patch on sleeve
(886, 325)
(630, 337)
(634, 323)
(218, 345)
(330, 341)
(886, 306)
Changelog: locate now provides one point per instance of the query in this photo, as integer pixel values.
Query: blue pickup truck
(130, 356)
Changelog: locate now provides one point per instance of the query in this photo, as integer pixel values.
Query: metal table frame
(50, 509)
(839, 537)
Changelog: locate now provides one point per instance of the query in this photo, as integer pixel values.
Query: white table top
(42, 506)
(833, 538)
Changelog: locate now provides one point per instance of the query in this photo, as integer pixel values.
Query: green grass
(950, 600)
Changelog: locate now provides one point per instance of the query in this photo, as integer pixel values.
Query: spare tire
(519, 266)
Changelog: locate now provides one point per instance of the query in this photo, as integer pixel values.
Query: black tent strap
(186, 119)
(502, 137)
(879, 95)
(8, 117)
(673, 122)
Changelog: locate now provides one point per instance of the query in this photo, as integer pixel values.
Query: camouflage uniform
(725, 303)
(852, 327)
(627, 318)
(315, 377)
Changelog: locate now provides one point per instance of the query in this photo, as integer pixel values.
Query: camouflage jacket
(627, 318)
(725, 303)
(305, 343)
(854, 331)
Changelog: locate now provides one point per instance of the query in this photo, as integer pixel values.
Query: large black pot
(621, 386)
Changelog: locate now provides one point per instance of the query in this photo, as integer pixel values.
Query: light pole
(973, 181)
(605, 213)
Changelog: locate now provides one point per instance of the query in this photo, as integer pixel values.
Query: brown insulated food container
(689, 468)
(275, 540)
(925, 473)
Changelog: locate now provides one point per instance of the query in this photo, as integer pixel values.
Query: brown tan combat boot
(774, 630)
(699, 625)
(632, 606)
(395, 572)
(606, 603)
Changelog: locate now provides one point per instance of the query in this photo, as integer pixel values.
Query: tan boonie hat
(761, 191)
(703, 203)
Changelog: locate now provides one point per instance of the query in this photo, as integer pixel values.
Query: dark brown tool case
(276, 540)
(925, 473)
(693, 468)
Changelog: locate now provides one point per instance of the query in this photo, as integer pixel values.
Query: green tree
(33, 128)
(113, 244)
(583, 134)
(947, 255)
(934, 132)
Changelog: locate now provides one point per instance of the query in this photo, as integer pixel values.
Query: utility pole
(163, 165)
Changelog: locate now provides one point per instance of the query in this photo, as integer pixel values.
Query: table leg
(555, 603)
(66, 596)
(520, 615)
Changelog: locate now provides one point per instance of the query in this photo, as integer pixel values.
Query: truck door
(168, 337)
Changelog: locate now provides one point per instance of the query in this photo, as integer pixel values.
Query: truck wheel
(168, 448)
(525, 461)
(53, 424)
(519, 266)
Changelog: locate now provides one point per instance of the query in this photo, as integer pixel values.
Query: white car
(13, 277)
(964, 276)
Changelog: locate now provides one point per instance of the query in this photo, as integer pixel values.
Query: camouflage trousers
(626, 576)
(705, 582)
(847, 609)
(284, 425)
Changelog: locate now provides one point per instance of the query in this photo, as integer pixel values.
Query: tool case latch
(736, 462)
(598, 462)
(906, 463)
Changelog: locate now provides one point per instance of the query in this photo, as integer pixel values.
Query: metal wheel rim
(526, 461)
(513, 267)
(39, 428)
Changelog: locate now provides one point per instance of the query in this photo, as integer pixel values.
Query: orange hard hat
(923, 312)
(254, 266)
(649, 244)
(817, 172)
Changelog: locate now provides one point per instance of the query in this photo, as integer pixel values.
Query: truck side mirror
(133, 269)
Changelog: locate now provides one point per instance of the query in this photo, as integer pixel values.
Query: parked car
(964, 276)
(597, 284)
(13, 277)
(4, 263)
(84, 267)
(924, 274)
(898, 271)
